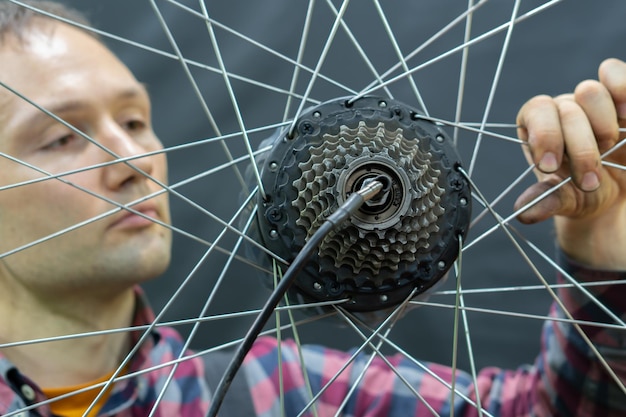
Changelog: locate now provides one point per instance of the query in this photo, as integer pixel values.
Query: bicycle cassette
(404, 239)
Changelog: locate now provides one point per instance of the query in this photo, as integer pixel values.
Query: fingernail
(548, 162)
(590, 181)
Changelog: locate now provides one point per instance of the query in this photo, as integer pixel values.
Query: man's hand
(566, 137)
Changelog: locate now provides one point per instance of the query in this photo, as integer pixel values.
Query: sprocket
(406, 238)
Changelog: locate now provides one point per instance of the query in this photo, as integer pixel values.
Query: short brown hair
(15, 19)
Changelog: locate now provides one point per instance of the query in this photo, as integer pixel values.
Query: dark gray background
(549, 54)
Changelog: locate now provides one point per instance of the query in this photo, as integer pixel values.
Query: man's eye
(135, 124)
(61, 142)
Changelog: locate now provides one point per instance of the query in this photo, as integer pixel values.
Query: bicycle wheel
(466, 66)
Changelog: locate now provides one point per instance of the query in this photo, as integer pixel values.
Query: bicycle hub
(404, 239)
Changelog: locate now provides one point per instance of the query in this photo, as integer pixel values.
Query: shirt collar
(18, 391)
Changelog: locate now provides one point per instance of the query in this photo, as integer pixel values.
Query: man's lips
(127, 219)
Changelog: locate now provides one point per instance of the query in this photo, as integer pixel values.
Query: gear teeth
(359, 249)
(400, 242)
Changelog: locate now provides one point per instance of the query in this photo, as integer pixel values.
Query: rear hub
(404, 239)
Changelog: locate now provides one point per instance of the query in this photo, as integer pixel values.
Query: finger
(612, 74)
(540, 126)
(566, 96)
(562, 201)
(596, 101)
(580, 145)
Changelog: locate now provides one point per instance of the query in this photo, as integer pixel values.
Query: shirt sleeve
(567, 379)
(583, 365)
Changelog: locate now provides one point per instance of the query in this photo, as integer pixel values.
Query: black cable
(352, 204)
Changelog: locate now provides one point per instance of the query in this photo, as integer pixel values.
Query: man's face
(78, 79)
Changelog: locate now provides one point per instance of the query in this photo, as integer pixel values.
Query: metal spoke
(427, 371)
(507, 220)
(396, 314)
(128, 207)
(306, 28)
(376, 351)
(571, 280)
(351, 360)
(370, 87)
(165, 187)
(271, 51)
(234, 102)
(474, 128)
(516, 288)
(296, 336)
(356, 44)
(555, 298)
(183, 322)
(463, 73)
(169, 55)
(212, 295)
(494, 84)
(404, 69)
(150, 369)
(452, 51)
(401, 60)
(196, 89)
(320, 62)
(504, 313)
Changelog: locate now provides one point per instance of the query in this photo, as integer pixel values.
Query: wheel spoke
(372, 86)
(452, 51)
(244, 105)
(401, 60)
(494, 84)
(210, 299)
(296, 336)
(462, 73)
(271, 51)
(376, 351)
(459, 307)
(320, 62)
(390, 319)
(355, 43)
(306, 28)
(619, 384)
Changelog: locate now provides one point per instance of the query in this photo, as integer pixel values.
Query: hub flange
(405, 238)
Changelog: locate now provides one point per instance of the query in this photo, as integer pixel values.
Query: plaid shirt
(186, 395)
(566, 380)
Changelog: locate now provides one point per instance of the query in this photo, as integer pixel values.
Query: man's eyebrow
(140, 90)
(74, 105)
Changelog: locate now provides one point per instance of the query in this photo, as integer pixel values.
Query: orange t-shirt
(76, 405)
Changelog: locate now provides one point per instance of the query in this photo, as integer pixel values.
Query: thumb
(561, 201)
(612, 74)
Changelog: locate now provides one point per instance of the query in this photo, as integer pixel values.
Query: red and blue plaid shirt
(186, 395)
(566, 380)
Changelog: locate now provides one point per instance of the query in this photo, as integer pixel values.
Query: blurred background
(548, 53)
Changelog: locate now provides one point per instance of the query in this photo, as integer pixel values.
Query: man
(86, 280)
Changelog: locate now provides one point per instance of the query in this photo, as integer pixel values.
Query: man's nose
(119, 143)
